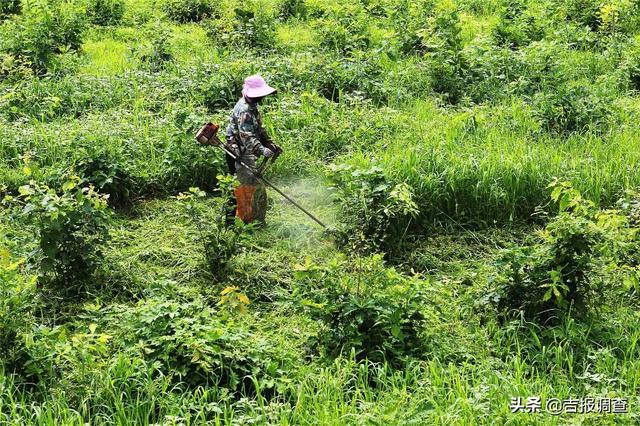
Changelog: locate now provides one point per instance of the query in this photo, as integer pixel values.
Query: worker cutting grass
(246, 140)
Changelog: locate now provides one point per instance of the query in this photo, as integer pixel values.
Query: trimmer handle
(276, 151)
(266, 161)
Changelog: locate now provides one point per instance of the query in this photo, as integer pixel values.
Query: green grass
(106, 58)
(472, 167)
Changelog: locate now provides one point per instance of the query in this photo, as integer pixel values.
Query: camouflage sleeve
(249, 130)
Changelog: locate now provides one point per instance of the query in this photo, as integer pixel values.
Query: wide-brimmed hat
(255, 87)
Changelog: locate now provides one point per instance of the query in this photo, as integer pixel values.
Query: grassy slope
(474, 369)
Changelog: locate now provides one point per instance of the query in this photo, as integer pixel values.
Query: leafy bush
(105, 12)
(489, 72)
(249, 25)
(199, 346)
(629, 265)
(480, 7)
(222, 85)
(219, 240)
(584, 12)
(443, 45)
(188, 10)
(365, 307)
(43, 29)
(344, 30)
(556, 271)
(18, 300)
(518, 26)
(70, 96)
(158, 55)
(59, 354)
(292, 8)
(433, 30)
(629, 67)
(185, 164)
(618, 17)
(9, 7)
(374, 214)
(572, 108)
(411, 20)
(110, 174)
(71, 226)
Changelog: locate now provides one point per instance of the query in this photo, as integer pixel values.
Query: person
(247, 139)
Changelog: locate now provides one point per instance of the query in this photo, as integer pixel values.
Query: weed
(220, 242)
(9, 7)
(70, 226)
(187, 10)
(159, 55)
(105, 12)
(42, 30)
(557, 271)
(245, 26)
(373, 310)
(18, 302)
(376, 214)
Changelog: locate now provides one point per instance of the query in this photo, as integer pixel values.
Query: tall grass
(477, 166)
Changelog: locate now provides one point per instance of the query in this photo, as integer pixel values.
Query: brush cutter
(208, 135)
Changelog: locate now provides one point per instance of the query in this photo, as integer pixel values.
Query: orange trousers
(251, 203)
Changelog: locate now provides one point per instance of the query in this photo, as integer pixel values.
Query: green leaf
(68, 185)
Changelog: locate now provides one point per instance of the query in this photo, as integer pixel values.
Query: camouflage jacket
(245, 128)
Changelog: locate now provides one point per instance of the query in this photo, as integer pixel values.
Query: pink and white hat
(255, 87)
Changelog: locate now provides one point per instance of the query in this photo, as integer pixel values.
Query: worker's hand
(267, 153)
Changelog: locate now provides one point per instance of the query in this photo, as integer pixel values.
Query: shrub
(110, 174)
(105, 12)
(629, 266)
(365, 307)
(220, 241)
(344, 30)
(518, 26)
(374, 214)
(18, 301)
(9, 7)
(44, 29)
(65, 356)
(185, 164)
(410, 19)
(571, 108)
(222, 86)
(557, 271)
(359, 76)
(247, 26)
(584, 12)
(198, 346)
(188, 10)
(158, 55)
(629, 67)
(292, 8)
(443, 46)
(489, 72)
(71, 96)
(480, 7)
(71, 226)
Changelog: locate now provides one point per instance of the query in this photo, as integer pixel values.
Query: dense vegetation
(478, 159)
